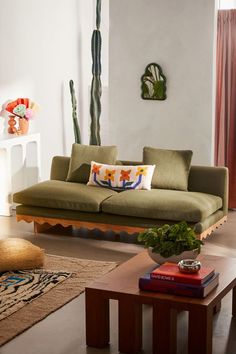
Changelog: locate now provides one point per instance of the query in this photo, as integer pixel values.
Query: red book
(170, 272)
(171, 287)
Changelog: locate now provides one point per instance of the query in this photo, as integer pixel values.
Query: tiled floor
(63, 332)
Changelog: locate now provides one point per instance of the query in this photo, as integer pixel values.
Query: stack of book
(168, 279)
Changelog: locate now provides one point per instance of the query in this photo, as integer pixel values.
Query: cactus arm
(74, 113)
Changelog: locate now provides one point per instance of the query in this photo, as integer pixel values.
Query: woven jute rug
(65, 279)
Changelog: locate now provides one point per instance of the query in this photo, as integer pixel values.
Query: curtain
(225, 128)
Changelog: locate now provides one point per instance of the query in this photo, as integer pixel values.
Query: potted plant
(171, 243)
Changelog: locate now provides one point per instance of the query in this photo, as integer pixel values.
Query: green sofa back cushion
(172, 167)
(81, 157)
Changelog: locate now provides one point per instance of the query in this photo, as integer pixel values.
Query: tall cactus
(96, 87)
(74, 113)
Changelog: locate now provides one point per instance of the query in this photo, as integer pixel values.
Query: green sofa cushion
(64, 195)
(81, 157)
(172, 167)
(163, 204)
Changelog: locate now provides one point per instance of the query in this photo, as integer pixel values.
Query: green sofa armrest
(212, 180)
(59, 168)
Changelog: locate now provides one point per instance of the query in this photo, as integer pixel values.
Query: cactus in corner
(74, 113)
(96, 87)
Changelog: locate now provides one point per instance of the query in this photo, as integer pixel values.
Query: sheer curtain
(225, 133)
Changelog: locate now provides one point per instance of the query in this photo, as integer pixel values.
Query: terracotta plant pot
(23, 126)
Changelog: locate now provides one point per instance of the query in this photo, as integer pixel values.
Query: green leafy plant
(169, 240)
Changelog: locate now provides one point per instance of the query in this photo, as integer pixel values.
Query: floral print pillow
(121, 177)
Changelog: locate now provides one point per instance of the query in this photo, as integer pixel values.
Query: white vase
(156, 257)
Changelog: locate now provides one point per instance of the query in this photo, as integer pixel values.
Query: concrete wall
(39, 54)
(44, 44)
(180, 36)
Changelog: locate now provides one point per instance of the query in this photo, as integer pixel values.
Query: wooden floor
(63, 332)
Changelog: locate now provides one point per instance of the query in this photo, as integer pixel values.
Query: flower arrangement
(22, 108)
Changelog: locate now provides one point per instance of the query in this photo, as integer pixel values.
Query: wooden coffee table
(122, 284)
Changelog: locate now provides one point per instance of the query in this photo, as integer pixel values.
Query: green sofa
(204, 206)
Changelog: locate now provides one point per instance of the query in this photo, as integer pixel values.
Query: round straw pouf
(17, 254)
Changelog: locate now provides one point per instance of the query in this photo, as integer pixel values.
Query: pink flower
(29, 113)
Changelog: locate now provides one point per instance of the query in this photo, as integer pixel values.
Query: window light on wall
(226, 4)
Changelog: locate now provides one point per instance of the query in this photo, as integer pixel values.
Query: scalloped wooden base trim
(212, 228)
(42, 224)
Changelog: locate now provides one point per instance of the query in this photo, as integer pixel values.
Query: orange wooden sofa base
(42, 224)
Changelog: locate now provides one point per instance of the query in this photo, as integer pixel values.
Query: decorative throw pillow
(81, 157)
(121, 177)
(172, 167)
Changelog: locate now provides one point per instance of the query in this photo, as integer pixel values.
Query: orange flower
(125, 175)
(109, 175)
(96, 169)
(141, 171)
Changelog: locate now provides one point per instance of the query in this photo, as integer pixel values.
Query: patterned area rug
(26, 297)
(19, 288)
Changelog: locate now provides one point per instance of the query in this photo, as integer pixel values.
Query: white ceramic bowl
(156, 257)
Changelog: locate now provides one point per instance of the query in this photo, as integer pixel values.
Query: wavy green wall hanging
(153, 83)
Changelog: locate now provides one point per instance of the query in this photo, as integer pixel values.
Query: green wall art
(153, 83)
